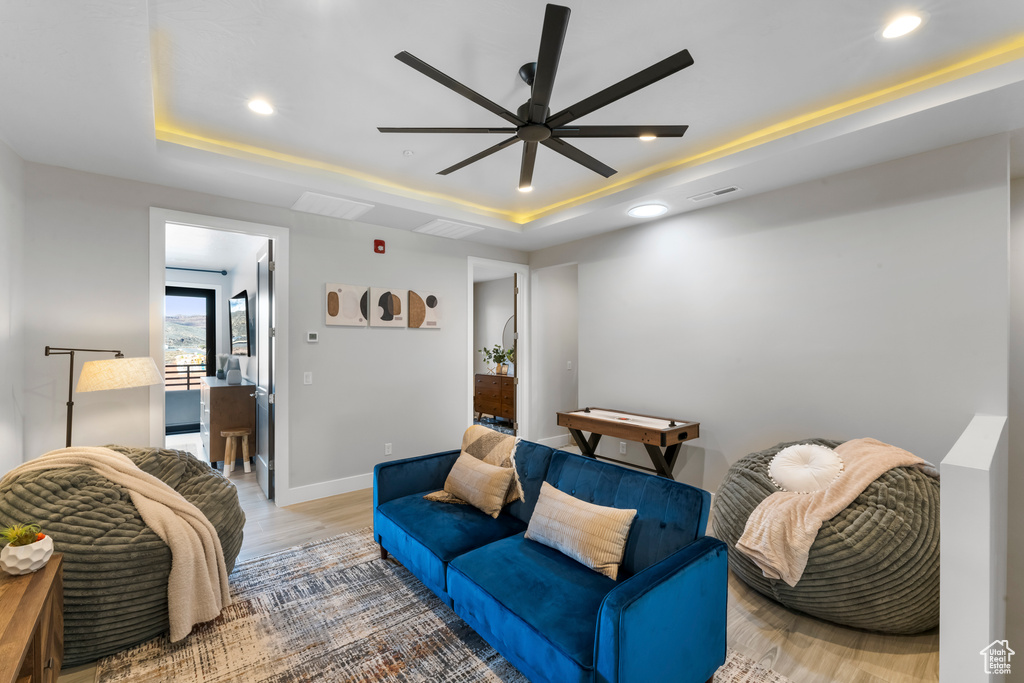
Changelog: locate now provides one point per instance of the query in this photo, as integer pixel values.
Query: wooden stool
(231, 450)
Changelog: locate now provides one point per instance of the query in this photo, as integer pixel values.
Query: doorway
(499, 357)
(230, 255)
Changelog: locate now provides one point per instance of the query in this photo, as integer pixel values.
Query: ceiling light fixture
(648, 210)
(648, 136)
(261, 107)
(901, 26)
(526, 188)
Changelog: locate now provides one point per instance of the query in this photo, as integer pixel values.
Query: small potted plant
(27, 550)
(501, 357)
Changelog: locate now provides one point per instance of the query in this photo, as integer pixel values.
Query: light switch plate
(307, 378)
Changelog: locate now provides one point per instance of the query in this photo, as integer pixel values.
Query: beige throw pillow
(493, 448)
(593, 535)
(481, 485)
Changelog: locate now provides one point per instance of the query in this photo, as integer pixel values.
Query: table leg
(660, 464)
(587, 446)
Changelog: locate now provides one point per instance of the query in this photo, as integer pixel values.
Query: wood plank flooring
(800, 647)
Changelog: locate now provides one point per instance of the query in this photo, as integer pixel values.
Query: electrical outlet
(307, 378)
(622, 448)
(387, 449)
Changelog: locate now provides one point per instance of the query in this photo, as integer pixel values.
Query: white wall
(871, 303)
(1015, 559)
(88, 254)
(493, 304)
(12, 233)
(974, 520)
(555, 310)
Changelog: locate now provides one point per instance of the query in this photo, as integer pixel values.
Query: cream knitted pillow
(481, 485)
(593, 535)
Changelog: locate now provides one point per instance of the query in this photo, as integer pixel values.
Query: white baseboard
(555, 441)
(324, 489)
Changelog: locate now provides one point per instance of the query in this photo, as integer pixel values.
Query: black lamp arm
(64, 351)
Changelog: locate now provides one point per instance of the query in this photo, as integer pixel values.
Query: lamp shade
(118, 373)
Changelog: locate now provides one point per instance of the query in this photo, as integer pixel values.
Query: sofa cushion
(532, 460)
(670, 514)
(593, 535)
(534, 599)
(442, 531)
(481, 485)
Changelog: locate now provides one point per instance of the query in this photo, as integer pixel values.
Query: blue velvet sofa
(553, 618)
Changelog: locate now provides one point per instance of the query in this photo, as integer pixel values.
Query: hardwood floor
(802, 648)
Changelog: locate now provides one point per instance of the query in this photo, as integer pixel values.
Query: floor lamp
(99, 375)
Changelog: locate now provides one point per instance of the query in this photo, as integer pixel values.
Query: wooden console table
(654, 433)
(32, 625)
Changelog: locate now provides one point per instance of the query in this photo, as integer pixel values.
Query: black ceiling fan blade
(449, 82)
(506, 131)
(477, 157)
(526, 169)
(619, 131)
(626, 86)
(556, 21)
(579, 156)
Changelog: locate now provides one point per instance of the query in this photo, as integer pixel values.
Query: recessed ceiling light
(261, 107)
(526, 188)
(647, 210)
(648, 136)
(901, 26)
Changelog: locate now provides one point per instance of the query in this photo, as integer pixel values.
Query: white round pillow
(805, 468)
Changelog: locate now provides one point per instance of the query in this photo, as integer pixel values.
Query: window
(190, 336)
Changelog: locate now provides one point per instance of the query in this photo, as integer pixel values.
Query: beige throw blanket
(197, 589)
(780, 531)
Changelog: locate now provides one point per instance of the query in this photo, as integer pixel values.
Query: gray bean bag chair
(115, 567)
(873, 566)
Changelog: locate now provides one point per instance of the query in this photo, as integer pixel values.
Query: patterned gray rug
(332, 610)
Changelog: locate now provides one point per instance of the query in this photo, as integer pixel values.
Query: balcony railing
(183, 377)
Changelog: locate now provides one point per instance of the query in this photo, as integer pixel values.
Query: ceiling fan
(533, 122)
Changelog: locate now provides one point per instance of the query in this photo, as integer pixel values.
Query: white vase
(25, 559)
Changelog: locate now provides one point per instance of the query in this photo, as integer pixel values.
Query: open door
(265, 334)
(515, 348)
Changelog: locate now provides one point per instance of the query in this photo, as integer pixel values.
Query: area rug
(332, 610)
(496, 424)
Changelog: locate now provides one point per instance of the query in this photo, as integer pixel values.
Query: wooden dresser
(495, 395)
(32, 624)
(225, 406)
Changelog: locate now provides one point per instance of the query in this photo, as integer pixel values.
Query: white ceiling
(87, 84)
(188, 246)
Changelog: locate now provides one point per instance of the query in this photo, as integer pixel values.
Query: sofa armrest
(668, 622)
(405, 477)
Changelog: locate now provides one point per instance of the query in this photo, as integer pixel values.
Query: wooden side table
(32, 625)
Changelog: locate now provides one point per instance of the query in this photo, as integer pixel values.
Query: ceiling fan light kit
(533, 124)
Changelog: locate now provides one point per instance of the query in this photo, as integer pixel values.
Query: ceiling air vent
(326, 205)
(449, 229)
(714, 193)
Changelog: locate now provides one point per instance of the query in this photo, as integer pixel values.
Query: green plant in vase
(27, 549)
(500, 357)
(22, 534)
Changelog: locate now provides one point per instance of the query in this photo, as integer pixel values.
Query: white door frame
(158, 219)
(523, 353)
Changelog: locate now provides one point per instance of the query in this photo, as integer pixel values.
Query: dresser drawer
(487, 405)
